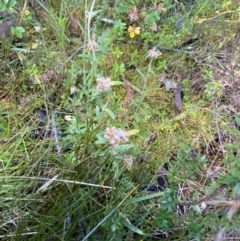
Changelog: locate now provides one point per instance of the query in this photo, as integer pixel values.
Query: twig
(209, 198)
(232, 204)
(233, 209)
(127, 82)
(88, 28)
(73, 54)
(23, 11)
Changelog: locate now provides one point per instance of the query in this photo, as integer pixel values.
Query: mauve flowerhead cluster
(104, 83)
(115, 136)
(154, 53)
(92, 45)
(134, 14)
(128, 161)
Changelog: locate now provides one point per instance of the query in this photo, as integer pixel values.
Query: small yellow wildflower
(133, 31)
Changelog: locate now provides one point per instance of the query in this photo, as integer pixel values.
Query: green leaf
(236, 189)
(141, 74)
(237, 119)
(98, 115)
(133, 132)
(133, 228)
(116, 83)
(94, 13)
(197, 209)
(143, 198)
(18, 31)
(109, 112)
(123, 148)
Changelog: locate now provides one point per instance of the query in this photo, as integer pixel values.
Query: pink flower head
(154, 53)
(92, 45)
(104, 83)
(115, 136)
(134, 14)
(128, 161)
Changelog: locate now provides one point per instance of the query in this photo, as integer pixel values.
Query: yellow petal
(137, 30)
(132, 34)
(34, 45)
(130, 29)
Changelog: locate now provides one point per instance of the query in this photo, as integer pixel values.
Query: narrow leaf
(133, 228)
(110, 113)
(143, 198)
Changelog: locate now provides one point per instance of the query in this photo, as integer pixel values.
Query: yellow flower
(133, 31)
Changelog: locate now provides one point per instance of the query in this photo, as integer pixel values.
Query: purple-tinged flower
(115, 136)
(134, 14)
(104, 83)
(154, 53)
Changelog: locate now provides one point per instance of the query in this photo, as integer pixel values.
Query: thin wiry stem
(57, 180)
(14, 235)
(104, 219)
(88, 27)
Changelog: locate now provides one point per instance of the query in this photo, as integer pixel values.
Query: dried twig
(127, 82)
(234, 206)
(177, 99)
(23, 11)
(209, 198)
(232, 203)
(210, 201)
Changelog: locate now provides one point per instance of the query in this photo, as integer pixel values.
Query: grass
(60, 177)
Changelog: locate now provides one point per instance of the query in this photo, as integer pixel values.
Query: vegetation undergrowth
(119, 120)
